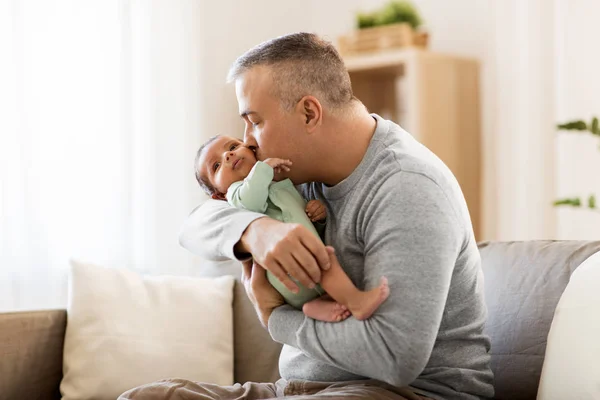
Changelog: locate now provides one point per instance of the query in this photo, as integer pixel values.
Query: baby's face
(225, 161)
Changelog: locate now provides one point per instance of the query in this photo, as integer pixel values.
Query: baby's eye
(233, 146)
(216, 166)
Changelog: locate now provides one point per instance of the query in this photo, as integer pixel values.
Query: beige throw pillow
(125, 330)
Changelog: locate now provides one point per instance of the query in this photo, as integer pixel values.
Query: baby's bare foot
(325, 310)
(370, 301)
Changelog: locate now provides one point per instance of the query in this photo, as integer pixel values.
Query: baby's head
(221, 161)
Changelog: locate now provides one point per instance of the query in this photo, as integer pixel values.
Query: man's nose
(249, 140)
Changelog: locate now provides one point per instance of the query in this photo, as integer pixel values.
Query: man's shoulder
(402, 156)
(402, 169)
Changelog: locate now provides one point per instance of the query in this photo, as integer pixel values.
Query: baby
(227, 170)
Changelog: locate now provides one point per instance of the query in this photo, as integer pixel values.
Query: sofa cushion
(523, 283)
(571, 362)
(126, 330)
(31, 347)
(256, 354)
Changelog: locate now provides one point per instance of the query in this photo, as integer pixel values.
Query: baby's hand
(279, 164)
(316, 210)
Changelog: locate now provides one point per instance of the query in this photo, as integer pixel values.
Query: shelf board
(392, 58)
(378, 60)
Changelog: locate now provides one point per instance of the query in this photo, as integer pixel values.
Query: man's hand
(316, 210)
(285, 250)
(279, 164)
(261, 293)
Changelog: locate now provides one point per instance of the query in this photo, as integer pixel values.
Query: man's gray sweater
(400, 214)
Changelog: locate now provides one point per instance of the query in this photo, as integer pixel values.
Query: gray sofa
(523, 283)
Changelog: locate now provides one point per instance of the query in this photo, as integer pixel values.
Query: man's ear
(218, 196)
(309, 107)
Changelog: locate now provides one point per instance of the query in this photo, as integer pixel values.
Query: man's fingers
(331, 253)
(279, 273)
(308, 265)
(258, 277)
(317, 250)
(297, 269)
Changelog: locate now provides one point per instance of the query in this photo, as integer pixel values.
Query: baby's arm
(252, 193)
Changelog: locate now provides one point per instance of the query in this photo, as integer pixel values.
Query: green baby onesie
(280, 201)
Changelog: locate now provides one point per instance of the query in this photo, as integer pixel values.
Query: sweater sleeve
(212, 230)
(417, 252)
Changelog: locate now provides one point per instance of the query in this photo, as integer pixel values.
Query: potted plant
(395, 25)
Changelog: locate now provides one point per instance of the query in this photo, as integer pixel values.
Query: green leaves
(392, 13)
(576, 202)
(573, 201)
(573, 126)
(579, 125)
(365, 20)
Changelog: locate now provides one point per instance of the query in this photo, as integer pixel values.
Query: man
(393, 209)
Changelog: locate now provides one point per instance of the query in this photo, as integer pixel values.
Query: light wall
(537, 68)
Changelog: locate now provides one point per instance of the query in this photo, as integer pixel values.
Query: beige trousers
(181, 389)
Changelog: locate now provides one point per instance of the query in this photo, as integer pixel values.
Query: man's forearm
(243, 246)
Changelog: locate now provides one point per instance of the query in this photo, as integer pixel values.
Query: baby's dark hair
(202, 181)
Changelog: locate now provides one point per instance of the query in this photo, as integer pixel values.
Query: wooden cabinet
(435, 97)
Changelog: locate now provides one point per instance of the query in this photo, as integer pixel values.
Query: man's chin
(280, 176)
(286, 175)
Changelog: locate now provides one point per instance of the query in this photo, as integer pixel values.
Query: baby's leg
(325, 309)
(339, 286)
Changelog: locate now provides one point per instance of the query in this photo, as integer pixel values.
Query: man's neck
(345, 145)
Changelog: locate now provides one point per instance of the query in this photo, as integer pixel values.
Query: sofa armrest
(31, 350)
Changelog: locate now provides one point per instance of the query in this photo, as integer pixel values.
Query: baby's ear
(218, 196)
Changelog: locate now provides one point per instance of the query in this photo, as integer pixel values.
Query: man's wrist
(265, 316)
(243, 247)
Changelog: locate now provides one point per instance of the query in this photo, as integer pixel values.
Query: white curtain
(99, 123)
(520, 66)
(577, 97)
(542, 68)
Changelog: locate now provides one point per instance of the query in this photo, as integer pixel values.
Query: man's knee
(152, 390)
(182, 389)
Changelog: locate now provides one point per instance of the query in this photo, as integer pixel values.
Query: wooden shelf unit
(435, 97)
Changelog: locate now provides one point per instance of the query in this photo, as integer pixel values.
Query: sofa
(523, 284)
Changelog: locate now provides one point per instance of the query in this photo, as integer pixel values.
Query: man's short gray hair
(302, 64)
